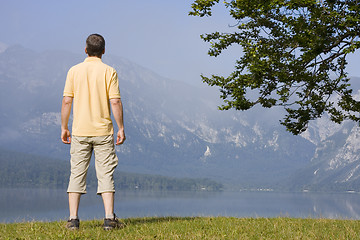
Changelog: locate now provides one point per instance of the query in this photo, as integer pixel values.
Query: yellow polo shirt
(92, 83)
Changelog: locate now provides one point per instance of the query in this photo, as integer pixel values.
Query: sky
(157, 34)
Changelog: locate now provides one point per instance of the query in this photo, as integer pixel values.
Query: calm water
(49, 204)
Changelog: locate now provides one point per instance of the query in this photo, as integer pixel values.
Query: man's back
(92, 83)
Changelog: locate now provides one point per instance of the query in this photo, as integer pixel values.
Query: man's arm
(117, 109)
(65, 114)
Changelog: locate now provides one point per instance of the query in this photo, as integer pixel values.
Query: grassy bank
(191, 228)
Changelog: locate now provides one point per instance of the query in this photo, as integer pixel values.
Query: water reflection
(51, 204)
(336, 205)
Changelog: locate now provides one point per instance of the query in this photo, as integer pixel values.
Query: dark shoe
(112, 223)
(73, 224)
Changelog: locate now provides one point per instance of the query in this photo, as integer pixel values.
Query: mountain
(335, 164)
(172, 128)
(336, 161)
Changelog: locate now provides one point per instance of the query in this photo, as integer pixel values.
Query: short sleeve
(69, 85)
(114, 91)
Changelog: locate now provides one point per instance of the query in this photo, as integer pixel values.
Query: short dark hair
(95, 45)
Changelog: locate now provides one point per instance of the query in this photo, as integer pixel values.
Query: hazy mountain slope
(336, 161)
(172, 128)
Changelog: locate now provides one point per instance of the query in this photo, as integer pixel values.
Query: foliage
(25, 170)
(294, 56)
(161, 183)
(190, 228)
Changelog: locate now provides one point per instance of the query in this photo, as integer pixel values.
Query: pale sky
(157, 34)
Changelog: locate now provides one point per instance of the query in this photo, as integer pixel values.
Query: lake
(18, 205)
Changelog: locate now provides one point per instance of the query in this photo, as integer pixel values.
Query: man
(93, 87)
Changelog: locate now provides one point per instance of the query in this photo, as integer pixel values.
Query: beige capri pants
(105, 162)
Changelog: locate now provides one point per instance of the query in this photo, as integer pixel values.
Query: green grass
(190, 228)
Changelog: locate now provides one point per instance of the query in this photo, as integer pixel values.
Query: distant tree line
(25, 170)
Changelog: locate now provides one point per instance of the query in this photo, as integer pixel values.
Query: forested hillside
(26, 170)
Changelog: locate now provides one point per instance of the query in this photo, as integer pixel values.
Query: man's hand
(65, 136)
(120, 137)
(65, 114)
(117, 110)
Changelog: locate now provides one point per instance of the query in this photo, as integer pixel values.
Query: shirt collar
(92, 59)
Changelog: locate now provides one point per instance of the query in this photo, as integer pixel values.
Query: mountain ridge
(172, 128)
